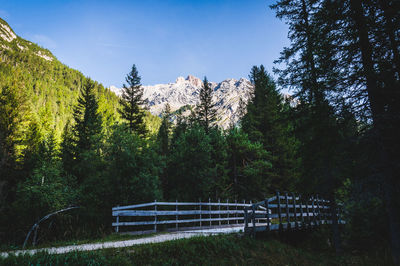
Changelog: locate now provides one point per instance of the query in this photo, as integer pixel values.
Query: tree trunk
(385, 166)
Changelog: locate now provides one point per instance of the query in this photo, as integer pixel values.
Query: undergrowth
(215, 250)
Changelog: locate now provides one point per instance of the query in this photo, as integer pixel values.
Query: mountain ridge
(185, 92)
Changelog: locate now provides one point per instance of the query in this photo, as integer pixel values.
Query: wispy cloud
(44, 41)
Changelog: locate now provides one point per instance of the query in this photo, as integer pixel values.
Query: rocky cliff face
(11, 42)
(185, 92)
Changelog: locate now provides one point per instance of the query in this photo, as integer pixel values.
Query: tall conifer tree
(206, 112)
(132, 103)
(348, 50)
(264, 123)
(81, 145)
(164, 131)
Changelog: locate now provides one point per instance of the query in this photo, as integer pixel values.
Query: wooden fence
(289, 212)
(280, 212)
(178, 215)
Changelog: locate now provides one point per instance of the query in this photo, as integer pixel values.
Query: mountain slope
(50, 88)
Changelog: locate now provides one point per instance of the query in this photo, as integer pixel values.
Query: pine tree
(249, 165)
(265, 122)
(47, 188)
(133, 170)
(88, 123)
(86, 133)
(164, 131)
(190, 164)
(132, 103)
(345, 54)
(206, 112)
(12, 110)
(12, 116)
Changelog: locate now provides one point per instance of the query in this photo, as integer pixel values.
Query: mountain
(50, 88)
(11, 42)
(185, 92)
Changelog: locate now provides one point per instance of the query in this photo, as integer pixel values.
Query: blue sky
(165, 38)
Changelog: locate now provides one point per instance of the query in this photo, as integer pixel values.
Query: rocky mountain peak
(195, 81)
(180, 80)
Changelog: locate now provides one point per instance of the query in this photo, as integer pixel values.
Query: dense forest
(65, 140)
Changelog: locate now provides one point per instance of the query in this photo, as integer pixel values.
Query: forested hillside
(38, 96)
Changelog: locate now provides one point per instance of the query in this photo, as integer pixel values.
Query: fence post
(236, 214)
(308, 213)
(246, 223)
(219, 211)
(301, 210)
(253, 216)
(209, 209)
(318, 211)
(313, 211)
(155, 216)
(267, 214)
(176, 216)
(227, 208)
(287, 212)
(117, 228)
(296, 225)
(244, 202)
(278, 197)
(200, 211)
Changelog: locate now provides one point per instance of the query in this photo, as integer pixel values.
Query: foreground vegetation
(215, 250)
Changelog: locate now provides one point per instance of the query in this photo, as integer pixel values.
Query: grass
(215, 250)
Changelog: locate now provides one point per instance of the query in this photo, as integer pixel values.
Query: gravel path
(129, 243)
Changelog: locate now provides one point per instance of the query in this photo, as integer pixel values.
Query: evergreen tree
(265, 122)
(206, 112)
(363, 73)
(82, 153)
(86, 137)
(190, 164)
(12, 110)
(12, 116)
(132, 103)
(163, 135)
(219, 157)
(47, 189)
(248, 167)
(134, 168)
(163, 140)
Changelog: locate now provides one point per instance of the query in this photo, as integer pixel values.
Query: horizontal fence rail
(280, 212)
(289, 212)
(143, 218)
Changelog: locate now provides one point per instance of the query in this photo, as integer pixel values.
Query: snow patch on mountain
(183, 92)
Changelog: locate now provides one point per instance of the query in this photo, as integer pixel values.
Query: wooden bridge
(289, 212)
(280, 212)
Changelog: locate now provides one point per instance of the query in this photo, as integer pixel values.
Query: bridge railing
(283, 212)
(153, 216)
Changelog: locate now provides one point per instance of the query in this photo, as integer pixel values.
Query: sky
(165, 39)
